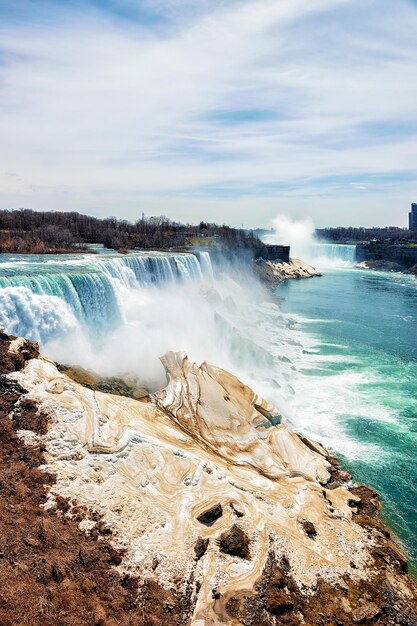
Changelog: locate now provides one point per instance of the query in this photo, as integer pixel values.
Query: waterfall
(41, 297)
(90, 296)
(41, 318)
(205, 264)
(336, 255)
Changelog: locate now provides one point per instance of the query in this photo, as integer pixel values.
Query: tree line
(351, 234)
(29, 231)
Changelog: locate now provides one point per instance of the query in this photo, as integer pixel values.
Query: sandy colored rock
(150, 470)
(141, 475)
(275, 272)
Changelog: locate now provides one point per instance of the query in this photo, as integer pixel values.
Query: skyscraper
(412, 217)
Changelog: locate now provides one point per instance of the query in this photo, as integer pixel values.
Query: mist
(301, 236)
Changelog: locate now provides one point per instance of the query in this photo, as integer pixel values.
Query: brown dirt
(51, 573)
(211, 515)
(15, 361)
(200, 547)
(235, 542)
(119, 386)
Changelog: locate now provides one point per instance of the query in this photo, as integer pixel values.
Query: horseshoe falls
(333, 255)
(338, 356)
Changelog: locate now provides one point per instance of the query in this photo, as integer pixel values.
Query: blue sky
(233, 111)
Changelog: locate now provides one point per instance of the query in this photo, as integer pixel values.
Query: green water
(359, 380)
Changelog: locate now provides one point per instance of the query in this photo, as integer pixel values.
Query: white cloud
(106, 115)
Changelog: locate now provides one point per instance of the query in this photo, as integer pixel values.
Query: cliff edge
(275, 272)
(196, 505)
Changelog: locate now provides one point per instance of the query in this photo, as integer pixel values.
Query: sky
(224, 110)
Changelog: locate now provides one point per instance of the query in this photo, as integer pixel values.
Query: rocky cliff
(275, 272)
(195, 505)
(388, 257)
(273, 252)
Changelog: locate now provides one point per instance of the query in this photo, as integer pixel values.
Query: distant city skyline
(230, 111)
(412, 217)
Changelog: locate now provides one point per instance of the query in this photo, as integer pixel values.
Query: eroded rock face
(233, 422)
(275, 272)
(205, 489)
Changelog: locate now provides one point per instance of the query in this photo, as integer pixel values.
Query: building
(412, 217)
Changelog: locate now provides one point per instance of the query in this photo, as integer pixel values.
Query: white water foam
(30, 315)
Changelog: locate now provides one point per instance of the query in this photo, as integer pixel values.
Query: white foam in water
(37, 316)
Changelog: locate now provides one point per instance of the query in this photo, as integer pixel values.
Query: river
(358, 383)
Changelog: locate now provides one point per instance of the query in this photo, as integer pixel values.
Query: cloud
(358, 186)
(222, 107)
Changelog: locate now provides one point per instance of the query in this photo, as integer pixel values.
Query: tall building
(412, 217)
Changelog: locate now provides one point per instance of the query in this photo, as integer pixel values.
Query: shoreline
(387, 266)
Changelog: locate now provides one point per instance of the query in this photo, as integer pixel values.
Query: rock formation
(388, 266)
(274, 272)
(209, 508)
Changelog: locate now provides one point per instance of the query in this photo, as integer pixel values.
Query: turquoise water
(361, 377)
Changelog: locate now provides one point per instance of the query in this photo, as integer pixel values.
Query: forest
(351, 234)
(39, 232)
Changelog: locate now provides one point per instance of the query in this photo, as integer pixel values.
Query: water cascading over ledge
(41, 297)
(343, 253)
